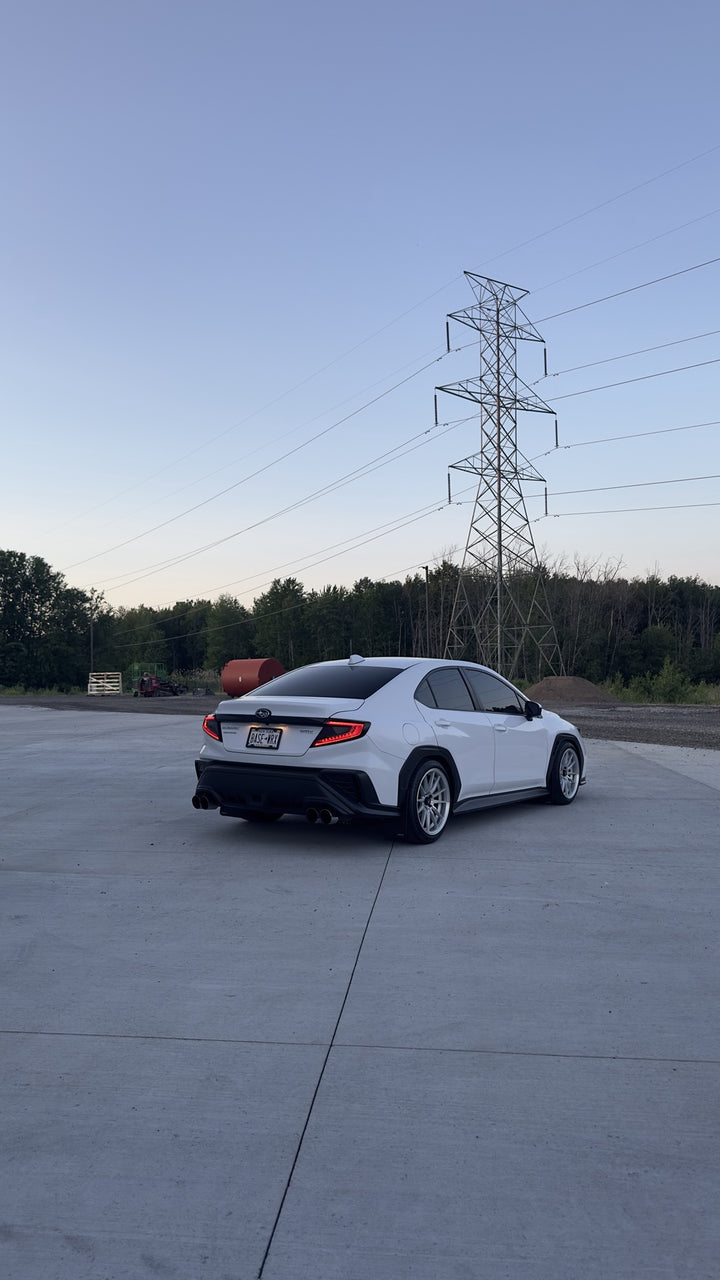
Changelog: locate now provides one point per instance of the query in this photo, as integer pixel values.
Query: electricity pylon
(501, 607)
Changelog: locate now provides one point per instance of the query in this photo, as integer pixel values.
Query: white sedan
(408, 739)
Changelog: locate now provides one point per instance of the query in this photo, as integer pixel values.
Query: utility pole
(500, 612)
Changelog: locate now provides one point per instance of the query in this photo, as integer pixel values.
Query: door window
(492, 694)
(448, 689)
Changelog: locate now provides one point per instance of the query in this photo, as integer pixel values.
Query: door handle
(500, 728)
(443, 724)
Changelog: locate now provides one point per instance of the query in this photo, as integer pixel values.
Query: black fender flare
(427, 752)
(564, 740)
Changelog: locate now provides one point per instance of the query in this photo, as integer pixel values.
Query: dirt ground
(187, 704)
(599, 715)
(595, 714)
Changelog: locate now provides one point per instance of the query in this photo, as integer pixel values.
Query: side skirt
(501, 797)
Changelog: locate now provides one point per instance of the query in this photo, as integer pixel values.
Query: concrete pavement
(318, 1054)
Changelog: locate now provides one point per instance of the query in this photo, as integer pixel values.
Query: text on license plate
(268, 738)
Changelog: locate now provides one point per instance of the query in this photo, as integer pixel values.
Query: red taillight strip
(211, 727)
(340, 731)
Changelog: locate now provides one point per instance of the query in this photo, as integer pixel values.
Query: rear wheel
(258, 815)
(427, 804)
(565, 774)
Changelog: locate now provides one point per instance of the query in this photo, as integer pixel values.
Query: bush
(668, 686)
(197, 678)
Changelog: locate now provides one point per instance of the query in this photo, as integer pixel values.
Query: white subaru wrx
(412, 740)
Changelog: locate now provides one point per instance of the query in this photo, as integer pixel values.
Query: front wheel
(564, 775)
(427, 804)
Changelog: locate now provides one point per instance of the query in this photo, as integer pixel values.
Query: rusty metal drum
(242, 675)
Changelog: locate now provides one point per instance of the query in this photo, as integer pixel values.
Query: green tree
(43, 625)
(136, 639)
(184, 628)
(380, 619)
(230, 633)
(649, 650)
(328, 623)
(280, 624)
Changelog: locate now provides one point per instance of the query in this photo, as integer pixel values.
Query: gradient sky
(228, 227)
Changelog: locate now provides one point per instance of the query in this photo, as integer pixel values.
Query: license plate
(267, 738)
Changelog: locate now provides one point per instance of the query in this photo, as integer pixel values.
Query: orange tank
(242, 675)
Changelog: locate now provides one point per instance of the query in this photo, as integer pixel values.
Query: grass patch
(20, 691)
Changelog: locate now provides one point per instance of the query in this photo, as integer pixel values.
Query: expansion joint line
(326, 1059)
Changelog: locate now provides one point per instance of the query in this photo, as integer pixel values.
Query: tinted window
(449, 689)
(329, 682)
(491, 694)
(424, 694)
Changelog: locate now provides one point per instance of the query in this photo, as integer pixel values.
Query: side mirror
(532, 710)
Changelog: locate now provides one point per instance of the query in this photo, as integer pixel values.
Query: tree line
(609, 628)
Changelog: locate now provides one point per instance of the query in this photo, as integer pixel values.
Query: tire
(428, 803)
(258, 815)
(565, 773)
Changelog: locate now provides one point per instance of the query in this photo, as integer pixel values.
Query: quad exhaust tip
(324, 816)
(203, 800)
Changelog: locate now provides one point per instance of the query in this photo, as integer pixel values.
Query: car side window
(449, 689)
(492, 694)
(423, 694)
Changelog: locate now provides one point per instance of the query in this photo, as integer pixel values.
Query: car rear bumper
(236, 788)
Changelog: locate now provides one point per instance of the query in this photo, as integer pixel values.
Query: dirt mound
(570, 690)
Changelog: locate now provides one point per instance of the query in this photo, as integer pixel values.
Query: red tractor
(151, 686)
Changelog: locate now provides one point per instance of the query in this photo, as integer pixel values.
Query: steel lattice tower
(501, 606)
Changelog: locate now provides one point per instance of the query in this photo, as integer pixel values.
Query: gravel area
(675, 726)
(672, 726)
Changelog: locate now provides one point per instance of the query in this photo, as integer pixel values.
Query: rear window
(330, 682)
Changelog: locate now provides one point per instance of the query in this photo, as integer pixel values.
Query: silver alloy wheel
(432, 801)
(569, 773)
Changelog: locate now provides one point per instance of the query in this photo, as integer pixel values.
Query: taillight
(211, 726)
(340, 731)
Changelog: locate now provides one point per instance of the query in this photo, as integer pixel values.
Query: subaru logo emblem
(263, 713)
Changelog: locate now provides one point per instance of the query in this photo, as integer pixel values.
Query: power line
(261, 470)
(633, 435)
(333, 426)
(349, 351)
(619, 511)
(603, 205)
(283, 395)
(316, 417)
(380, 531)
(308, 562)
(626, 355)
(631, 249)
(373, 535)
(392, 526)
(633, 289)
(361, 472)
(364, 471)
(640, 484)
(645, 377)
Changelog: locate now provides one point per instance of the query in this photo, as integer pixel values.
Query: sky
(230, 235)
